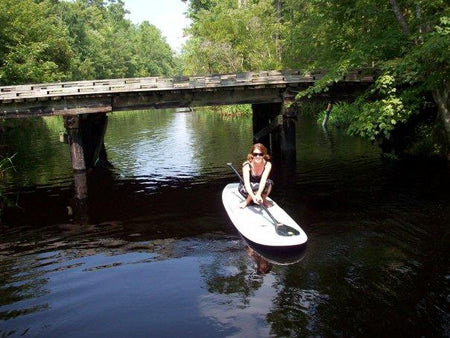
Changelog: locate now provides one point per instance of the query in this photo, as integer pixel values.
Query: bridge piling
(86, 134)
(93, 131)
(73, 128)
(80, 200)
(287, 136)
(274, 126)
(263, 114)
(85, 137)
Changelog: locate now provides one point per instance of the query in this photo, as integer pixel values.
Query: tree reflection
(20, 280)
(232, 274)
(296, 309)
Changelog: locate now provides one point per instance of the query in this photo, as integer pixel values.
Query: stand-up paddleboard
(256, 224)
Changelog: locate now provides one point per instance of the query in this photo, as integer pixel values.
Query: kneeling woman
(256, 170)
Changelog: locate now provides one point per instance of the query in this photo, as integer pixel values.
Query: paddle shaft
(237, 173)
(270, 214)
(261, 204)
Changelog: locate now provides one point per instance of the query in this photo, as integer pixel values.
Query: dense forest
(405, 42)
(45, 41)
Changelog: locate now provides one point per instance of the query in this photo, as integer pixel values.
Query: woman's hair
(261, 148)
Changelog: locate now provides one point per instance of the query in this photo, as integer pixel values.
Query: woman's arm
(246, 175)
(265, 175)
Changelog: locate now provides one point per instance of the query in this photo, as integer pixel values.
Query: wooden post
(93, 131)
(72, 125)
(260, 120)
(274, 126)
(285, 136)
(75, 138)
(288, 140)
(80, 201)
(265, 119)
(86, 134)
(327, 115)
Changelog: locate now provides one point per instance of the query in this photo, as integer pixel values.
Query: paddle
(280, 228)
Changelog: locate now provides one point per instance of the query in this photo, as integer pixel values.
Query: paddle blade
(285, 230)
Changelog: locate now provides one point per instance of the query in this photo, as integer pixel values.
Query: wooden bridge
(103, 96)
(84, 104)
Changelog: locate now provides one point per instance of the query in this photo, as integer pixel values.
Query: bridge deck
(65, 98)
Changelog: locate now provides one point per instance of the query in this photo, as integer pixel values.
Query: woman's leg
(266, 203)
(246, 202)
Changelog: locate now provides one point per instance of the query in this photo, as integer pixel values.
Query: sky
(167, 15)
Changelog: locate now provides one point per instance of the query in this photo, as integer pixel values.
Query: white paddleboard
(256, 225)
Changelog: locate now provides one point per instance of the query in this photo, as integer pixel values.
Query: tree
(406, 42)
(195, 6)
(34, 43)
(107, 45)
(48, 41)
(232, 36)
(152, 55)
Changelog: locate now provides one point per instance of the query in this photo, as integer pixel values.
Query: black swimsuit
(256, 178)
(254, 182)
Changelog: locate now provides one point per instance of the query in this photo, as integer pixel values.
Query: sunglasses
(258, 154)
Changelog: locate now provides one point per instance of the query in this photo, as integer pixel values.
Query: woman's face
(258, 155)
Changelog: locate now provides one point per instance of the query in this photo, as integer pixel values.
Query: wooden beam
(68, 106)
(275, 123)
(196, 98)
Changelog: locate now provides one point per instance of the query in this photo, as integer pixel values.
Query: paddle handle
(237, 173)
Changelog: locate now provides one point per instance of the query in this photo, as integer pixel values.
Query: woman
(256, 171)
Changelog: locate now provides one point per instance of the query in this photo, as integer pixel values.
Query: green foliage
(232, 36)
(310, 108)
(342, 115)
(151, 55)
(378, 118)
(428, 61)
(412, 48)
(33, 43)
(54, 123)
(231, 111)
(6, 163)
(195, 6)
(47, 41)
(379, 113)
(110, 46)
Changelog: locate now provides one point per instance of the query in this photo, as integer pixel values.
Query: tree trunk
(399, 16)
(442, 100)
(278, 36)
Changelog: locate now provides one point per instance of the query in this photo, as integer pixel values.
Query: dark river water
(150, 252)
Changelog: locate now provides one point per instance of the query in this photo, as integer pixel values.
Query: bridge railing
(128, 85)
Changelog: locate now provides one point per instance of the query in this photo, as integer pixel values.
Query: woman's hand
(257, 199)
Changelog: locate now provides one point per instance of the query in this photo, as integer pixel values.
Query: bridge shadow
(175, 208)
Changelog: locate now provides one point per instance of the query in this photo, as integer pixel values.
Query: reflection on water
(169, 147)
(239, 298)
(164, 154)
(152, 251)
(263, 266)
